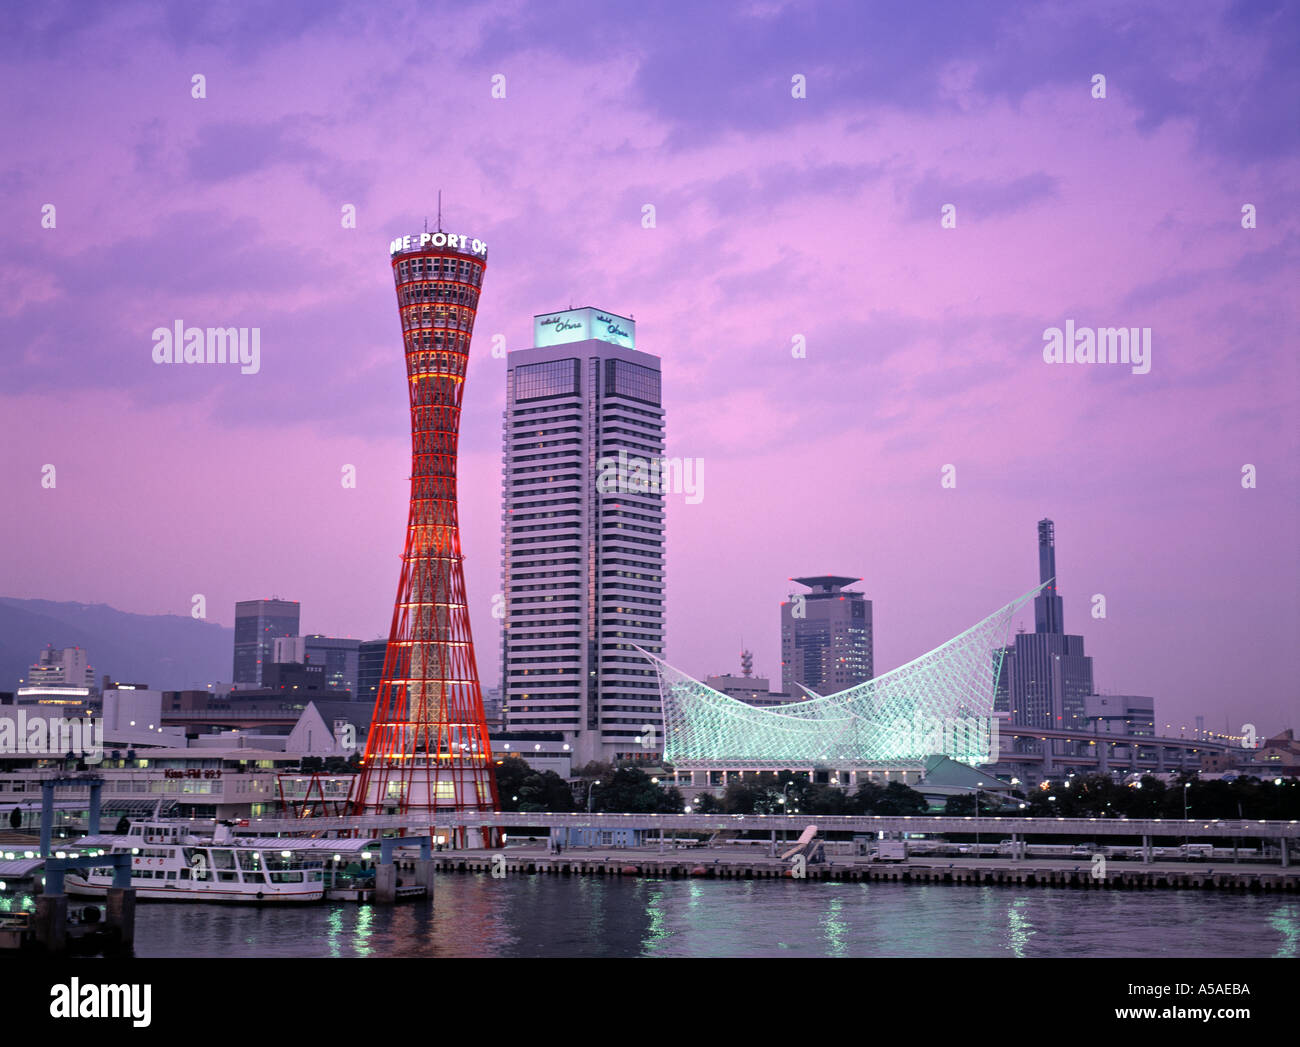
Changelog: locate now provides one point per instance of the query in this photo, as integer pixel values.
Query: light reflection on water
(534, 916)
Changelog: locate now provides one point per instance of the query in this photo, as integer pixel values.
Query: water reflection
(1286, 921)
(539, 916)
(1019, 931)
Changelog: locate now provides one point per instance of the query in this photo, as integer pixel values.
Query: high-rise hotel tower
(428, 749)
(583, 541)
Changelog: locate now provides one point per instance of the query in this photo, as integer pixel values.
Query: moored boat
(168, 863)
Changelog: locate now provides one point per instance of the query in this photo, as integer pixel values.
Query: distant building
(752, 690)
(1120, 714)
(339, 656)
(289, 649)
(68, 667)
(282, 677)
(826, 637)
(1046, 677)
(748, 688)
(370, 670)
(58, 694)
(257, 624)
(494, 709)
(541, 750)
(1280, 753)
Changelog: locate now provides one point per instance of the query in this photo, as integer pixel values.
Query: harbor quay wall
(1077, 875)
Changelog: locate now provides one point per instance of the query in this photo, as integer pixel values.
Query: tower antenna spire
(439, 210)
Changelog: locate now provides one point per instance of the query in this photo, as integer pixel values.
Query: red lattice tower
(428, 750)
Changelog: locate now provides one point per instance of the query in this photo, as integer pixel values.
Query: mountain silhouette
(166, 651)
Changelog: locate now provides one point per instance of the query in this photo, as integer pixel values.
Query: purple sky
(775, 216)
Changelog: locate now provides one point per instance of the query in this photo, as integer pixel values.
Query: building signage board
(578, 325)
(423, 241)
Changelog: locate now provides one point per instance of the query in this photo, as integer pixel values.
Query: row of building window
(552, 378)
(454, 294)
(439, 267)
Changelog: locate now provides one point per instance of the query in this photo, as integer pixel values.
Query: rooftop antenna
(439, 210)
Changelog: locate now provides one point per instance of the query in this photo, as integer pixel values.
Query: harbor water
(542, 916)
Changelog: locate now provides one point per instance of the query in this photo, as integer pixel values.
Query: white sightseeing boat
(170, 864)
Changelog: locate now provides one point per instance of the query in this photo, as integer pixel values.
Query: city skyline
(923, 344)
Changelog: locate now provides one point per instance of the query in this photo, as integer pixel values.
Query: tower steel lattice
(427, 749)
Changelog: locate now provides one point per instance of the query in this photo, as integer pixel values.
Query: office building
(583, 544)
(339, 655)
(1046, 677)
(1120, 714)
(289, 650)
(370, 669)
(257, 624)
(826, 639)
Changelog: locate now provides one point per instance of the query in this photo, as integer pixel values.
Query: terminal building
(884, 728)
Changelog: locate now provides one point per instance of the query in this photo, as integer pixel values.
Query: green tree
(545, 791)
(630, 790)
(511, 773)
(899, 799)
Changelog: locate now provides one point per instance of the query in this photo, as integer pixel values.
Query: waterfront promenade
(670, 824)
(735, 864)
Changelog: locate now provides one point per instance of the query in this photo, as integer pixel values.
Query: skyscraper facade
(257, 624)
(427, 750)
(826, 640)
(339, 656)
(370, 669)
(583, 541)
(1046, 677)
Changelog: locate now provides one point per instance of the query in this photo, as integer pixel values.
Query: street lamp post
(591, 795)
